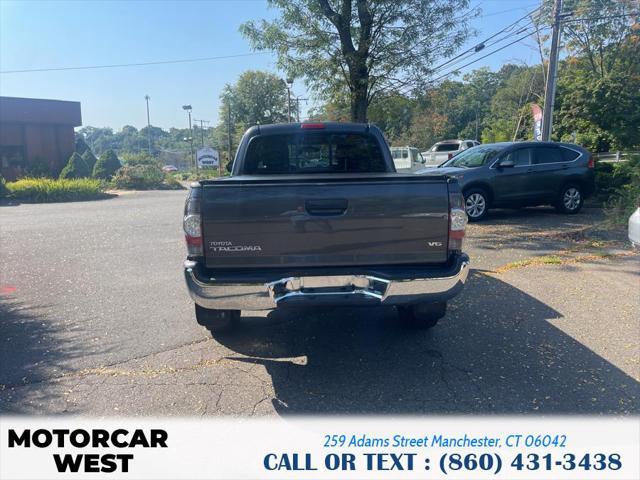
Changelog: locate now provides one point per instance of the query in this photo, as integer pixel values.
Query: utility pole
(228, 136)
(550, 92)
(202, 122)
(147, 98)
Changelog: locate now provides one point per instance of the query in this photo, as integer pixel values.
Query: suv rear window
(318, 152)
(568, 154)
(447, 147)
(547, 155)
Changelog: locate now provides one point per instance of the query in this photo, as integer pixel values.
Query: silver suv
(445, 150)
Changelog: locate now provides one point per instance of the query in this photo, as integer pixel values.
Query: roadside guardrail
(614, 157)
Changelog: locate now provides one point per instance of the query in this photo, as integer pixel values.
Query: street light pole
(193, 159)
(147, 98)
(550, 92)
(289, 82)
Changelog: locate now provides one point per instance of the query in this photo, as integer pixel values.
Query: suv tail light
(457, 221)
(192, 223)
(450, 156)
(591, 163)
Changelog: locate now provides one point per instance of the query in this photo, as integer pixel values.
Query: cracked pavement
(95, 320)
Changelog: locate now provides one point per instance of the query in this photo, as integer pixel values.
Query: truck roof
(284, 128)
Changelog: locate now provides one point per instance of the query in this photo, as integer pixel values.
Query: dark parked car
(315, 214)
(519, 174)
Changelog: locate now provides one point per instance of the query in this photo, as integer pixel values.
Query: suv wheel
(570, 199)
(217, 321)
(422, 315)
(476, 203)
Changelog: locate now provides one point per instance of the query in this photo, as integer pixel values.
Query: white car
(445, 150)
(634, 228)
(407, 158)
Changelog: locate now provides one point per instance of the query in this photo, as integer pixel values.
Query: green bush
(625, 197)
(75, 168)
(81, 146)
(3, 187)
(50, 190)
(138, 177)
(171, 182)
(38, 169)
(90, 159)
(107, 165)
(203, 174)
(140, 159)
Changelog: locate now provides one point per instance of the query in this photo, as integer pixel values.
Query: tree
(107, 165)
(371, 46)
(75, 168)
(256, 98)
(143, 158)
(426, 129)
(601, 38)
(510, 116)
(601, 112)
(89, 158)
(81, 145)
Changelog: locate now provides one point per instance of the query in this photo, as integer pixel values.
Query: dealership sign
(208, 158)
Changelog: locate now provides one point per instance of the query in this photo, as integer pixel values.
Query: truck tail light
(192, 222)
(457, 221)
(591, 163)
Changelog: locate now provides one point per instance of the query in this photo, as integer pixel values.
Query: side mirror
(229, 166)
(506, 163)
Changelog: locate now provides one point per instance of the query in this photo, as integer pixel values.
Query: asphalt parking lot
(95, 320)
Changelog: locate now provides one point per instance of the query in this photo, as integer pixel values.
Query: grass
(561, 260)
(202, 174)
(55, 190)
(531, 262)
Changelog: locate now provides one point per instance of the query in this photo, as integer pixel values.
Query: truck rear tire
(422, 315)
(217, 321)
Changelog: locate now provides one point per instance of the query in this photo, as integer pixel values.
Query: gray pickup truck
(315, 214)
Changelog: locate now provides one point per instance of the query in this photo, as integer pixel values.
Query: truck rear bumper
(379, 286)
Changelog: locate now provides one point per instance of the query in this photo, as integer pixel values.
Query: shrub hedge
(90, 159)
(106, 166)
(50, 190)
(38, 169)
(3, 187)
(619, 187)
(75, 168)
(138, 177)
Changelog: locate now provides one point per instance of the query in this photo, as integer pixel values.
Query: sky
(53, 34)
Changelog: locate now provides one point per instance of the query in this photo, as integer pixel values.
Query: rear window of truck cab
(317, 152)
(446, 147)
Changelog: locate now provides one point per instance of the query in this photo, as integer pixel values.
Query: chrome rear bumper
(357, 289)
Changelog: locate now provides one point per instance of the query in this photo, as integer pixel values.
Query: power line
(527, 29)
(481, 58)
(586, 19)
(120, 65)
(481, 45)
(492, 14)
